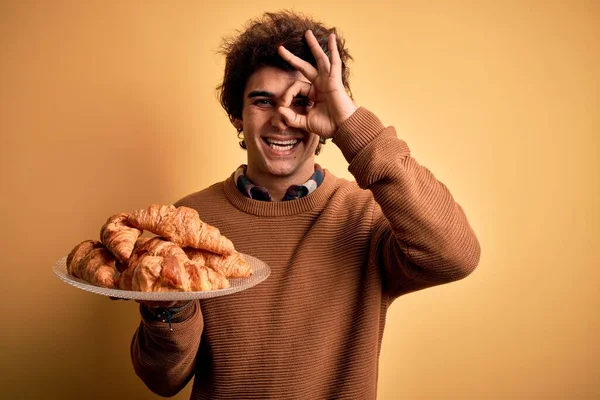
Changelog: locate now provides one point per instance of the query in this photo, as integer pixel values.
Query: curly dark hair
(256, 46)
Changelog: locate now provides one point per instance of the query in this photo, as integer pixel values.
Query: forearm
(164, 359)
(429, 227)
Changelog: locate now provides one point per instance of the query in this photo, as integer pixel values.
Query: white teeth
(281, 148)
(282, 145)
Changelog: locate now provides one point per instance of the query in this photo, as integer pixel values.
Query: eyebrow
(264, 93)
(260, 93)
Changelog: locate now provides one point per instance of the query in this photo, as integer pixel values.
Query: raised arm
(421, 236)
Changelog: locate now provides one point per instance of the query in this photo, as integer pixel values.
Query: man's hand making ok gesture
(330, 103)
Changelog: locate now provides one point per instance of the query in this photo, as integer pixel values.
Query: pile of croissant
(186, 254)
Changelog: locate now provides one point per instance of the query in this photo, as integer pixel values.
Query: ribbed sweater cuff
(356, 132)
(182, 316)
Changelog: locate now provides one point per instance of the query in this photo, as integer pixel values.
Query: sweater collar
(315, 200)
(294, 192)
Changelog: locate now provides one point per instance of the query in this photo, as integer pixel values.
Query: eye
(303, 103)
(263, 103)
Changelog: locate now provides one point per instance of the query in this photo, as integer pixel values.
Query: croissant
(204, 278)
(160, 274)
(118, 237)
(125, 280)
(160, 265)
(156, 246)
(232, 266)
(182, 226)
(93, 263)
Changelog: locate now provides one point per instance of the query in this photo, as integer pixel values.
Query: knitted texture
(339, 257)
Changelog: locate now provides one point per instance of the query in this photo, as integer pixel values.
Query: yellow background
(108, 106)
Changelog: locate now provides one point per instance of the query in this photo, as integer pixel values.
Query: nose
(278, 121)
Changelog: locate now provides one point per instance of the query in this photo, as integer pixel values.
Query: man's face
(274, 149)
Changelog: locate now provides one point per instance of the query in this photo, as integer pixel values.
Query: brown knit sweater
(339, 257)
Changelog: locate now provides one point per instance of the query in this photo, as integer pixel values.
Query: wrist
(166, 314)
(357, 132)
(344, 114)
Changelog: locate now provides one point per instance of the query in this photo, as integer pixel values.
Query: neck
(277, 185)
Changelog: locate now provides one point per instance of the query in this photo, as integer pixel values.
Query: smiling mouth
(282, 145)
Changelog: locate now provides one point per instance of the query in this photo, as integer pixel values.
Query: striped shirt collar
(253, 191)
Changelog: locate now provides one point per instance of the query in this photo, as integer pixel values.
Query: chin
(282, 170)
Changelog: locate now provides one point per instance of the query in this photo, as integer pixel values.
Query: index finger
(298, 88)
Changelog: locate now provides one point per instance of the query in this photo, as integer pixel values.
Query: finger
(162, 304)
(323, 64)
(303, 66)
(336, 61)
(298, 88)
(293, 119)
(153, 304)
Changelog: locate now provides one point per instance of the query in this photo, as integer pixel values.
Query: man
(340, 252)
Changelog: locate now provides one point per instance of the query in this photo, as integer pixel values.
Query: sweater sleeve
(420, 235)
(165, 359)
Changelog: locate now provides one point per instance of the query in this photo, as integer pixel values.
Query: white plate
(260, 272)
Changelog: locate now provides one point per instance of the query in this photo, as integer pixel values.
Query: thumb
(293, 119)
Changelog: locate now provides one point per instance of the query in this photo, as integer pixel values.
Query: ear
(237, 123)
